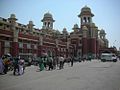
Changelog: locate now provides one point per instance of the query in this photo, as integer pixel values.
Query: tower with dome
(89, 39)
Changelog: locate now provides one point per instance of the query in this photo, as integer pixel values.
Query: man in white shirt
(61, 60)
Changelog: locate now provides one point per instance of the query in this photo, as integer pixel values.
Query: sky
(65, 13)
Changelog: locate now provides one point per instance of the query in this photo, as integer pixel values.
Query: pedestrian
(41, 64)
(29, 61)
(11, 64)
(68, 60)
(45, 62)
(54, 62)
(61, 60)
(21, 66)
(57, 61)
(1, 66)
(71, 60)
(16, 66)
(6, 64)
(50, 61)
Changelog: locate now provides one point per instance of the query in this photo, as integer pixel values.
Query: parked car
(108, 57)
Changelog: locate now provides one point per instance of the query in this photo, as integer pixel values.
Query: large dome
(47, 15)
(85, 8)
(86, 11)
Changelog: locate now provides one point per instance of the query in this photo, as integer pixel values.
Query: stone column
(15, 44)
(84, 47)
(15, 49)
(97, 48)
(93, 46)
(2, 44)
(39, 50)
(40, 44)
(57, 52)
(85, 42)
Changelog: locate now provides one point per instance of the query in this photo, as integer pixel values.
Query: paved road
(94, 75)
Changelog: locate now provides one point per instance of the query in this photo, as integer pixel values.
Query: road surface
(94, 75)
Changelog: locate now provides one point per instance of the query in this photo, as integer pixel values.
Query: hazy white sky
(107, 14)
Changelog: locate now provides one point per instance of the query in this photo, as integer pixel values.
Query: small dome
(76, 26)
(31, 22)
(57, 32)
(12, 16)
(102, 31)
(47, 15)
(64, 30)
(106, 40)
(85, 8)
(84, 28)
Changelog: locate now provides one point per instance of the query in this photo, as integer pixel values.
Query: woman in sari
(41, 63)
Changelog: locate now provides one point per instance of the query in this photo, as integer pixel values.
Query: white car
(108, 57)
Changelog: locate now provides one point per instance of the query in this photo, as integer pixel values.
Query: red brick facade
(27, 41)
(15, 49)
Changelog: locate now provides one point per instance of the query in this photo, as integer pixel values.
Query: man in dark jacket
(16, 66)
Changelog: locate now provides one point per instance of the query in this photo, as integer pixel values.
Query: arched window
(89, 19)
(45, 23)
(48, 24)
(84, 19)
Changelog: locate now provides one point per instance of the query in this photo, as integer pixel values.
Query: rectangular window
(28, 46)
(35, 46)
(20, 45)
(7, 44)
(1, 24)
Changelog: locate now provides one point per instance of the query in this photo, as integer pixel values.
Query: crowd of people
(17, 64)
(51, 63)
(7, 63)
